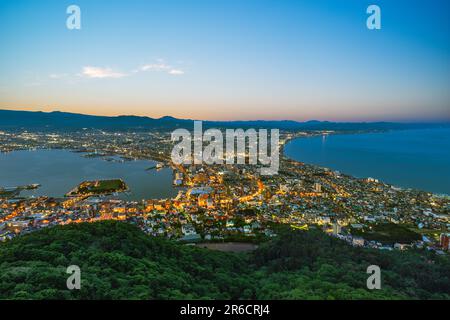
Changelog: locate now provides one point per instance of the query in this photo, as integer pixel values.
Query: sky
(228, 59)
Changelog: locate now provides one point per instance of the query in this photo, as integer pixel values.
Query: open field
(229, 246)
(388, 233)
(99, 187)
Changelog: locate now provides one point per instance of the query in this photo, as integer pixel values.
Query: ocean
(418, 159)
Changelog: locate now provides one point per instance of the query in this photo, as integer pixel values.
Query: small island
(98, 187)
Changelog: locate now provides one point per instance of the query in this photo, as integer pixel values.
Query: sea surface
(418, 159)
(59, 171)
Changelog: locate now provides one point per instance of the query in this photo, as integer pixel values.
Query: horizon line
(405, 121)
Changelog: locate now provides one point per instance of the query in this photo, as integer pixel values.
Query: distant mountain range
(56, 120)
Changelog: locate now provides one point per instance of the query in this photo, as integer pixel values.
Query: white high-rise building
(317, 187)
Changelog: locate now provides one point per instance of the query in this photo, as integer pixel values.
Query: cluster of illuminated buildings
(228, 202)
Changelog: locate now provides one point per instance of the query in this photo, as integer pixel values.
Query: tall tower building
(445, 241)
(317, 187)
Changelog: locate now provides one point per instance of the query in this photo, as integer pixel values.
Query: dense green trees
(329, 268)
(118, 261)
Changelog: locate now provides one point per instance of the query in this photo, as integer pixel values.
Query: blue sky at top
(233, 59)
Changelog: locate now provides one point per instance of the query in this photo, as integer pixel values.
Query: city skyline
(228, 60)
(236, 154)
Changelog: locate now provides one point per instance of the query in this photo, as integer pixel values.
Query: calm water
(418, 159)
(58, 171)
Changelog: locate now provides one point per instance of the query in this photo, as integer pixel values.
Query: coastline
(139, 184)
(289, 140)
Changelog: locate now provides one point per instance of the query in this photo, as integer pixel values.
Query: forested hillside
(119, 261)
